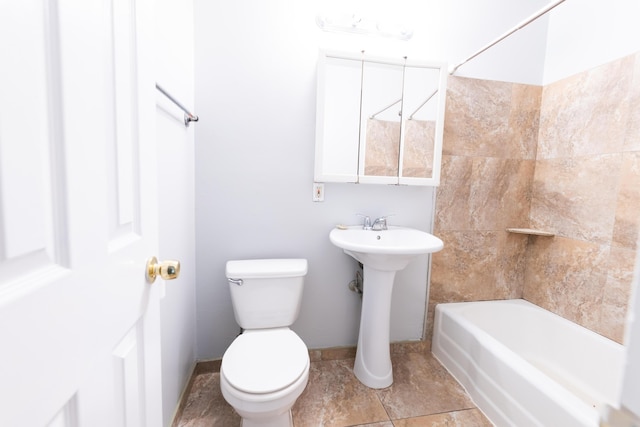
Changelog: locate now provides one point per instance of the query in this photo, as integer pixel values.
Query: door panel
(79, 324)
(124, 176)
(33, 240)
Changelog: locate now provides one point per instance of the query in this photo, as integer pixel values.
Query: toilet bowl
(262, 375)
(266, 368)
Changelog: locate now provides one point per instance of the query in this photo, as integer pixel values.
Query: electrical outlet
(318, 192)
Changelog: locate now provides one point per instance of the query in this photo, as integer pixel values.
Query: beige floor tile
(421, 386)
(423, 394)
(381, 424)
(205, 405)
(334, 397)
(466, 418)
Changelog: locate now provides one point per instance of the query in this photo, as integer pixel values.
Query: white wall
(472, 25)
(175, 73)
(587, 33)
(255, 79)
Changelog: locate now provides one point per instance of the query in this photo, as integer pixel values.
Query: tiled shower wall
(488, 162)
(586, 189)
(563, 158)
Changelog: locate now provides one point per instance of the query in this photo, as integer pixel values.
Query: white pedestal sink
(382, 253)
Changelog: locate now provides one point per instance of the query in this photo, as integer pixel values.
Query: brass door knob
(168, 270)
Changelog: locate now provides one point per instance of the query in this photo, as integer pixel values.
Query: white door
(79, 324)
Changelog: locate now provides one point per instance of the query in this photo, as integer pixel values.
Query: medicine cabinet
(379, 120)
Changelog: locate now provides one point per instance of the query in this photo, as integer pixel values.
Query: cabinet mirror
(379, 120)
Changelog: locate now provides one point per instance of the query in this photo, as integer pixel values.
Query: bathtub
(525, 366)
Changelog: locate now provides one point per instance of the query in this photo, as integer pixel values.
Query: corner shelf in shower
(530, 231)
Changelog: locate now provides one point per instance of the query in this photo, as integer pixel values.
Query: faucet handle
(366, 225)
(381, 223)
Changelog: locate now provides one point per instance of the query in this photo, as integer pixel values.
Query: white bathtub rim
(572, 404)
(483, 402)
(524, 362)
(612, 346)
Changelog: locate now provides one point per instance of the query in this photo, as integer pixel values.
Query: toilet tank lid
(265, 268)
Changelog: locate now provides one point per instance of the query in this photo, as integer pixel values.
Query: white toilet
(266, 368)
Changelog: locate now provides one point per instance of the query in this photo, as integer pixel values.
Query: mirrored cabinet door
(379, 120)
(422, 112)
(338, 119)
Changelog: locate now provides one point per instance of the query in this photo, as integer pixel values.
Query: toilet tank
(266, 293)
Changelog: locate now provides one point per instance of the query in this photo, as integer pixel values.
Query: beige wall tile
(431, 314)
(587, 113)
(410, 347)
(616, 294)
(500, 193)
(452, 200)
(567, 277)
(483, 193)
(525, 120)
(337, 353)
(515, 202)
(477, 117)
(627, 215)
(491, 118)
(511, 264)
(632, 137)
(488, 185)
(465, 270)
(574, 197)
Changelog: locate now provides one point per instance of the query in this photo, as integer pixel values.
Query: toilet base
(270, 410)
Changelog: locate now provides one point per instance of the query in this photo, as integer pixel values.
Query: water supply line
(521, 25)
(357, 284)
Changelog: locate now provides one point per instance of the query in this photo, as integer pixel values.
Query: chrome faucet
(366, 224)
(379, 224)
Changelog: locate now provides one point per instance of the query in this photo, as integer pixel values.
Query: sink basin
(382, 253)
(387, 250)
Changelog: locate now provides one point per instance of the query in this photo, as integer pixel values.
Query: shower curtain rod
(422, 105)
(373, 116)
(188, 116)
(508, 33)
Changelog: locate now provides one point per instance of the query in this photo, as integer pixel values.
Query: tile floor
(423, 394)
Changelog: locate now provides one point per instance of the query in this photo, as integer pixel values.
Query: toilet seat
(265, 361)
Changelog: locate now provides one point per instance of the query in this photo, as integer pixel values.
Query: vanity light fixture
(359, 25)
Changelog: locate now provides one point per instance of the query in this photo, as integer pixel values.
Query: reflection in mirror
(419, 120)
(417, 159)
(380, 118)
